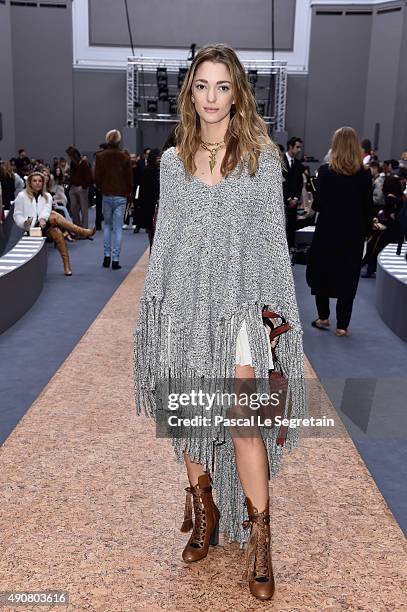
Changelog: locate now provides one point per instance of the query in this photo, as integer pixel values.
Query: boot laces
(199, 529)
(257, 547)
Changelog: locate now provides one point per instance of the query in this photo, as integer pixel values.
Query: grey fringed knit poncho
(219, 255)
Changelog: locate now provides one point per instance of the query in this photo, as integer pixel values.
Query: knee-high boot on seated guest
(206, 525)
(259, 570)
(56, 235)
(57, 220)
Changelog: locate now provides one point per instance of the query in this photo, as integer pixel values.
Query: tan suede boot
(57, 220)
(57, 236)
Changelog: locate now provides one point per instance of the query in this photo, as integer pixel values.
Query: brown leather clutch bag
(277, 380)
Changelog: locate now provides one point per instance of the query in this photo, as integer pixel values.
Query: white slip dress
(243, 353)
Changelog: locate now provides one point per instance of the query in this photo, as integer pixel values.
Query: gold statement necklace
(213, 148)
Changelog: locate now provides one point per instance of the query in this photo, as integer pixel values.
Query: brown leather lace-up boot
(259, 570)
(206, 525)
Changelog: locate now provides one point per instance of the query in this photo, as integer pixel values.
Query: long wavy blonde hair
(247, 132)
(346, 153)
(7, 169)
(28, 186)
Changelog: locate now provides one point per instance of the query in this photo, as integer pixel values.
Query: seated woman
(387, 227)
(59, 200)
(61, 191)
(33, 208)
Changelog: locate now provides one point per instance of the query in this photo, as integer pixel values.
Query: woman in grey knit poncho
(219, 256)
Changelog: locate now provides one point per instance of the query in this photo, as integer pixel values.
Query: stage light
(252, 78)
(182, 72)
(162, 83)
(162, 77)
(163, 94)
(152, 106)
(261, 107)
(173, 109)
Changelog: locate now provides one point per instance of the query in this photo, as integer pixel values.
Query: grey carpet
(32, 350)
(364, 374)
(365, 378)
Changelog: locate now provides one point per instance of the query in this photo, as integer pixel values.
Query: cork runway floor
(91, 503)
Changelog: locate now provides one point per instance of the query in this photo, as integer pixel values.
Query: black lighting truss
(153, 86)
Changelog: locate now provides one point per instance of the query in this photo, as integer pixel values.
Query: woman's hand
(43, 223)
(379, 226)
(274, 342)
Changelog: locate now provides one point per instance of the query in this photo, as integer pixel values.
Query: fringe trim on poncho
(160, 355)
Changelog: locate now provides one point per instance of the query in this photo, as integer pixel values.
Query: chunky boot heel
(214, 541)
(206, 525)
(259, 569)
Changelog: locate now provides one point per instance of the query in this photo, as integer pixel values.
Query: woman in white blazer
(32, 203)
(33, 208)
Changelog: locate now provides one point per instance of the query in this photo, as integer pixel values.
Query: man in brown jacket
(113, 177)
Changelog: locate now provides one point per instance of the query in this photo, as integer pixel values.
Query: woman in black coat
(344, 201)
(149, 192)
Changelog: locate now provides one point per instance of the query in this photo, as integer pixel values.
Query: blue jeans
(60, 207)
(113, 211)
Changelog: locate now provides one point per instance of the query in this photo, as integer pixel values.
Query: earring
(192, 99)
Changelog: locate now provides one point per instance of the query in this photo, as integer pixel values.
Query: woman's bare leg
(251, 457)
(194, 470)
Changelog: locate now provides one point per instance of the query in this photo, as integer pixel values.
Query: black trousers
(290, 225)
(99, 214)
(343, 310)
